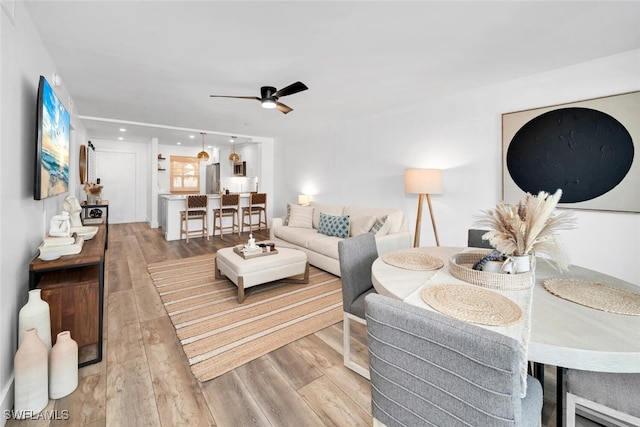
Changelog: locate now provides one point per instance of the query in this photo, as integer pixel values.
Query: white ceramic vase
(518, 264)
(35, 314)
(31, 375)
(63, 366)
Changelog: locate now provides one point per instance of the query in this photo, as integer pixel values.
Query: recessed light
(120, 138)
(191, 136)
(178, 143)
(123, 130)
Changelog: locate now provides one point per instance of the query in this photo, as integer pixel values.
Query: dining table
(560, 332)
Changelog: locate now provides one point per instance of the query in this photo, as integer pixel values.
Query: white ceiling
(157, 62)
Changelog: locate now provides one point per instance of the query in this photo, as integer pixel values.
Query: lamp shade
(304, 199)
(423, 181)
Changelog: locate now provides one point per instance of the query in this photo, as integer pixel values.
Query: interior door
(117, 173)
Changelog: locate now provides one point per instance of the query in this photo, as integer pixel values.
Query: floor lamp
(423, 182)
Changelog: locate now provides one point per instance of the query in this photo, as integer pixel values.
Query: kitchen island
(170, 205)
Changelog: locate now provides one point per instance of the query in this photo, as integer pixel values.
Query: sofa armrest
(393, 242)
(275, 222)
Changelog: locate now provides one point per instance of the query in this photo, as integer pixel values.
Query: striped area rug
(218, 334)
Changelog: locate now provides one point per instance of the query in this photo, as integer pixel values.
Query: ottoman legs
(240, 284)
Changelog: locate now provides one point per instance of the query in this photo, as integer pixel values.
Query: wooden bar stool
(257, 205)
(197, 207)
(229, 207)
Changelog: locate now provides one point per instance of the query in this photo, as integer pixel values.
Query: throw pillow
(361, 224)
(382, 226)
(286, 218)
(300, 216)
(334, 225)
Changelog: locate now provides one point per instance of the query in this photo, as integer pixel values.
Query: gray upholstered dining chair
(356, 255)
(474, 239)
(609, 395)
(430, 369)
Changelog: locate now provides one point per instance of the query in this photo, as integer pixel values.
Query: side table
(87, 220)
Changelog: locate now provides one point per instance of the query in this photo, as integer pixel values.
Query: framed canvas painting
(588, 149)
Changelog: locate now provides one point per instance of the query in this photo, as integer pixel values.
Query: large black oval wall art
(582, 151)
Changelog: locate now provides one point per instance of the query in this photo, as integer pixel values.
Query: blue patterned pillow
(334, 225)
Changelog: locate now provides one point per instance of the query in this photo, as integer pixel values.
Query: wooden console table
(73, 285)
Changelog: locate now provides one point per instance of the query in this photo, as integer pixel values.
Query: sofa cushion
(300, 216)
(361, 224)
(335, 210)
(395, 216)
(334, 225)
(295, 235)
(381, 226)
(324, 245)
(285, 221)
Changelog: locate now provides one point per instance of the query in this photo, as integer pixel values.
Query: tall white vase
(31, 375)
(35, 314)
(63, 366)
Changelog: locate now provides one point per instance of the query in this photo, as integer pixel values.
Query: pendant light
(234, 157)
(203, 155)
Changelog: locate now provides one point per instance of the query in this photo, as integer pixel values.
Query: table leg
(560, 387)
(538, 372)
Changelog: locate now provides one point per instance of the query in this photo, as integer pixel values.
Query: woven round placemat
(472, 304)
(412, 259)
(595, 295)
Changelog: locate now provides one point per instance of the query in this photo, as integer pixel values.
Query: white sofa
(322, 250)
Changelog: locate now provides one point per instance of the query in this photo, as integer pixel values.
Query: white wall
(362, 162)
(23, 220)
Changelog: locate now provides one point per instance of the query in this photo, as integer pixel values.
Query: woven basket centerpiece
(460, 267)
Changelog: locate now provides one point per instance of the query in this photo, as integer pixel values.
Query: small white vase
(31, 375)
(63, 366)
(35, 314)
(518, 264)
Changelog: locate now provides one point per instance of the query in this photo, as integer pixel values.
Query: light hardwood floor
(144, 378)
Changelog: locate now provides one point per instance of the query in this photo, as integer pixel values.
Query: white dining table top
(563, 333)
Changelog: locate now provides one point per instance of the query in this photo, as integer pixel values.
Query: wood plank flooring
(145, 380)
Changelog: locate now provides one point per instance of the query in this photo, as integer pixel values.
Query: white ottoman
(245, 273)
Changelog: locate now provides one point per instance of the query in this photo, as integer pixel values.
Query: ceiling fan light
(268, 103)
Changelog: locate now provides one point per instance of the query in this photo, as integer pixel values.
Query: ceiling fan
(269, 96)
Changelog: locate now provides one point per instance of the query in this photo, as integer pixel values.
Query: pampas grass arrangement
(92, 189)
(529, 227)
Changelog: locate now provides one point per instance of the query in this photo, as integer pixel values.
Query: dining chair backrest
(356, 255)
(230, 200)
(258, 198)
(197, 201)
(614, 395)
(430, 369)
(474, 239)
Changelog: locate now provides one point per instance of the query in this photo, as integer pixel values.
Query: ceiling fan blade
(291, 89)
(237, 97)
(284, 108)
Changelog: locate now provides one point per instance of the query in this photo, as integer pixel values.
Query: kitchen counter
(170, 205)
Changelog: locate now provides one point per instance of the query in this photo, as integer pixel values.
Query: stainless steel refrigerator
(213, 178)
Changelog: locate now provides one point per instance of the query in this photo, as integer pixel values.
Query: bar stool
(229, 207)
(257, 205)
(197, 207)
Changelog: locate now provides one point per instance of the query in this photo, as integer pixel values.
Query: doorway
(117, 173)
